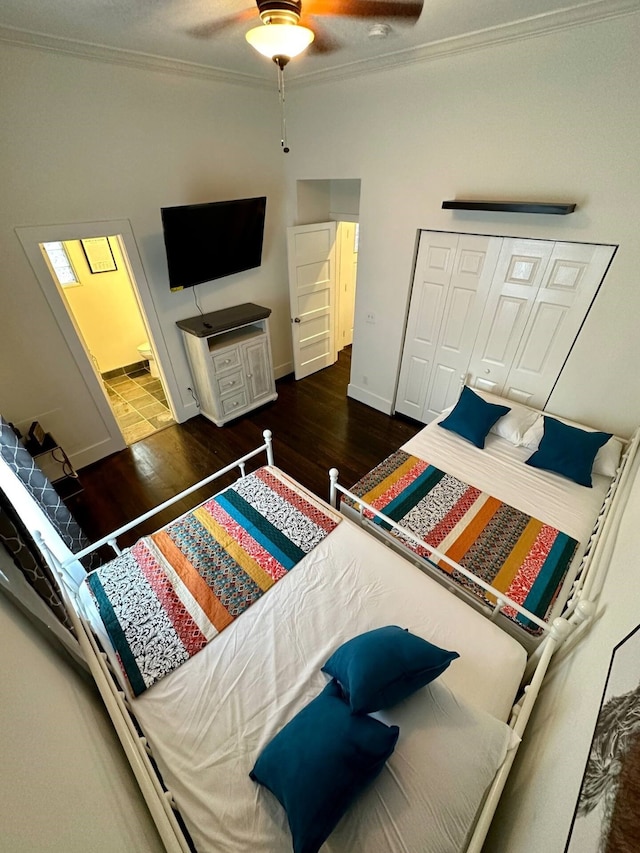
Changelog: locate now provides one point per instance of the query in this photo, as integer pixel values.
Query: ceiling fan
(281, 13)
(282, 36)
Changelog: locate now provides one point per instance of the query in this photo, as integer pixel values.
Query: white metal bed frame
(580, 605)
(159, 800)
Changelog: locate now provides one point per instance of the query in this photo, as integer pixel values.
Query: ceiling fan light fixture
(277, 41)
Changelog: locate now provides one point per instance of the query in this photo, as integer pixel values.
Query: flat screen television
(208, 241)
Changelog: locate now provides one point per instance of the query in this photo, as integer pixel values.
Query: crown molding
(133, 59)
(538, 25)
(599, 10)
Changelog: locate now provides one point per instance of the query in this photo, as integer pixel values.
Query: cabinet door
(452, 276)
(257, 365)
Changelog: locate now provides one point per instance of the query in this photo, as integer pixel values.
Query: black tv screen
(208, 241)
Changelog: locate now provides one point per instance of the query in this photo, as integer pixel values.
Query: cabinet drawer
(226, 360)
(230, 382)
(234, 403)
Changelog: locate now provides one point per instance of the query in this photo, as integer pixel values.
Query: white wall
(87, 141)
(105, 309)
(65, 785)
(538, 805)
(549, 118)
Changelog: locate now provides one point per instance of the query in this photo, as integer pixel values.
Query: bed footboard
(578, 605)
(159, 800)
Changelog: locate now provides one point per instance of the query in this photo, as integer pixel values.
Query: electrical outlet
(371, 317)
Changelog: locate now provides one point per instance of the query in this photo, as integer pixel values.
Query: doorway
(323, 263)
(107, 436)
(96, 287)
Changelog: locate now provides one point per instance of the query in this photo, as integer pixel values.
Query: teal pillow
(473, 417)
(568, 451)
(382, 667)
(319, 763)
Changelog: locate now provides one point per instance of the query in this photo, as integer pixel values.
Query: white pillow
(514, 425)
(607, 458)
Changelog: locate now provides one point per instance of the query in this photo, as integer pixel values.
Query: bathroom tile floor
(139, 404)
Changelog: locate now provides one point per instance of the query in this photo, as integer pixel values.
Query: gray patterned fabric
(20, 461)
(26, 556)
(40, 489)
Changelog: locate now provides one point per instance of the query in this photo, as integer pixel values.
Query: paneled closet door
(570, 283)
(434, 264)
(504, 312)
(518, 275)
(471, 275)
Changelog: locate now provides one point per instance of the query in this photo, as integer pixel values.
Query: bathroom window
(60, 263)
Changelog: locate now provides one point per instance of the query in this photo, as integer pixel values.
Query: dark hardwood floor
(315, 426)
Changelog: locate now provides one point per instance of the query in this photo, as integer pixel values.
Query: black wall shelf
(556, 208)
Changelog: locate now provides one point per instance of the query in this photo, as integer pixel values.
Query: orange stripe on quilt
(214, 610)
(472, 531)
(399, 473)
(231, 546)
(516, 558)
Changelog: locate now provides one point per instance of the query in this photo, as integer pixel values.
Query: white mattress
(208, 721)
(499, 469)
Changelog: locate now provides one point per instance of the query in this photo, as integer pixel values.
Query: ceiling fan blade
(408, 9)
(212, 28)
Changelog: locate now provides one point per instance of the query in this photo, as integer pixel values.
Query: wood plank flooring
(315, 426)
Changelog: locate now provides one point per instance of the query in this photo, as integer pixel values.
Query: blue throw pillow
(568, 451)
(473, 417)
(382, 667)
(319, 763)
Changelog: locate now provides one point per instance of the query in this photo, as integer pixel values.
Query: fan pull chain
(283, 118)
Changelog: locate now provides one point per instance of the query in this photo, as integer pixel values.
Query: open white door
(312, 292)
(347, 248)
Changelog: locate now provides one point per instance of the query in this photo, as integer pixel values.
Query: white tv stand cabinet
(229, 352)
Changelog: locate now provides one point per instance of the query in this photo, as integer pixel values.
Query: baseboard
(81, 458)
(281, 370)
(369, 399)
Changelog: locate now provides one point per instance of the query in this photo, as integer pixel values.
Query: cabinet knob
(297, 320)
(233, 382)
(236, 403)
(487, 370)
(227, 361)
(249, 375)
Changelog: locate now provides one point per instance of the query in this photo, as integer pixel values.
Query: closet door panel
(470, 281)
(502, 312)
(518, 274)
(434, 265)
(569, 286)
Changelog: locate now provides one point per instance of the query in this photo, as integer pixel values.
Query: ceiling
(182, 34)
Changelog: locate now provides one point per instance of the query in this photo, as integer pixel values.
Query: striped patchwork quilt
(515, 553)
(168, 596)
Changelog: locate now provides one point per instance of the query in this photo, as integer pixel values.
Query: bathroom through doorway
(93, 279)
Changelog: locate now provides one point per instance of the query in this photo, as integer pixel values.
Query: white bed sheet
(499, 469)
(208, 720)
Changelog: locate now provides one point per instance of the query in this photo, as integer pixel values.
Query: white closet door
(473, 267)
(568, 287)
(519, 272)
(503, 311)
(434, 265)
